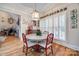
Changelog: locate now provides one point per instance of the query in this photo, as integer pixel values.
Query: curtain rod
(55, 12)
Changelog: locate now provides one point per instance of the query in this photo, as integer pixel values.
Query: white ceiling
(38, 6)
(29, 7)
(41, 7)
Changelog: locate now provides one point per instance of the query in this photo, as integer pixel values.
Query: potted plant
(38, 33)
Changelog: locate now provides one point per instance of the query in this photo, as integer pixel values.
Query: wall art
(74, 19)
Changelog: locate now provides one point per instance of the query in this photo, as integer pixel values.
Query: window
(55, 24)
(50, 24)
(62, 26)
(44, 24)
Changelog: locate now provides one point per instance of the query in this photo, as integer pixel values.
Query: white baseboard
(66, 44)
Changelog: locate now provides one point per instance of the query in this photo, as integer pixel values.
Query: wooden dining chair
(26, 44)
(48, 43)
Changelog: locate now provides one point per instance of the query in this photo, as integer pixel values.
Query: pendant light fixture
(35, 14)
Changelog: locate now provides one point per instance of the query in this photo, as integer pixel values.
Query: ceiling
(29, 7)
(38, 6)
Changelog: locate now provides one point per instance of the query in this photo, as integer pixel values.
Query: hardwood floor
(13, 47)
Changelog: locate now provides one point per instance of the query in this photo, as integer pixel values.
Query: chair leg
(23, 48)
(46, 51)
(26, 51)
(52, 50)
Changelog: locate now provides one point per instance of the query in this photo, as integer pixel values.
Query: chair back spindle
(24, 39)
(49, 39)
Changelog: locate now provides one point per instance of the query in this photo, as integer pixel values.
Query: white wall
(24, 23)
(72, 35)
(4, 20)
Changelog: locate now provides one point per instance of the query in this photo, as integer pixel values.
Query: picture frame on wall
(74, 19)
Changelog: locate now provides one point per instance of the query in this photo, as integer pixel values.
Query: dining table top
(36, 37)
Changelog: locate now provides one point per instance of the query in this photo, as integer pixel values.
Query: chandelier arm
(35, 14)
